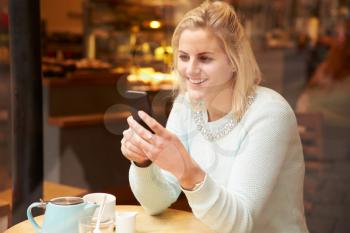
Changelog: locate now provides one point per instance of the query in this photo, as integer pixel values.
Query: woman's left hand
(166, 150)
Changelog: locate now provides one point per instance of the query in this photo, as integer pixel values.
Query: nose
(192, 68)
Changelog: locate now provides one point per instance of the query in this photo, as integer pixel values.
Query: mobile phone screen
(138, 100)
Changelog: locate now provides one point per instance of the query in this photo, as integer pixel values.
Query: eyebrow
(202, 53)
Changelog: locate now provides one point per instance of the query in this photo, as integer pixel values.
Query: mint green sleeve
(154, 188)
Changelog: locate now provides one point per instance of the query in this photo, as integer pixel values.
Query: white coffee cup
(125, 222)
(110, 203)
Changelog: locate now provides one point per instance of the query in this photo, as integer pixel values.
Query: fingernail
(129, 119)
(141, 113)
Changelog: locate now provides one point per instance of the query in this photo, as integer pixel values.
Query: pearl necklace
(221, 131)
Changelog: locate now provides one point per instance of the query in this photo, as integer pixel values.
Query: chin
(196, 95)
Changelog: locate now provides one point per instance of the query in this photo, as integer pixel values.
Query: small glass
(87, 224)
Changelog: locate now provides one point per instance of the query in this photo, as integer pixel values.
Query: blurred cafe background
(61, 122)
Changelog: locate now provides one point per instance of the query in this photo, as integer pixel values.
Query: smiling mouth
(200, 81)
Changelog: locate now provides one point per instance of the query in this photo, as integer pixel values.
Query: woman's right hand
(131, 151)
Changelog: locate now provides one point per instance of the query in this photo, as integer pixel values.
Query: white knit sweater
(255, 174)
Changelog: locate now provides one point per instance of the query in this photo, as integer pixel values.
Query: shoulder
(181, 104)
(179, 118)
(268, 99)
(181, 109)
(269, 106)
(267, 95)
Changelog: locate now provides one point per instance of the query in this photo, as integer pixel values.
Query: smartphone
(138, 100)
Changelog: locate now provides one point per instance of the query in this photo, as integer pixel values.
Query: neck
(219, 104)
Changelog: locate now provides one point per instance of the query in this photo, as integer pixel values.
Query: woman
(231, 146)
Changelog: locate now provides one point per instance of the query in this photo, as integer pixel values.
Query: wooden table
(50, 190)
(170, 221)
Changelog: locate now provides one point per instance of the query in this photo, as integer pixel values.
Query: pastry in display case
(146, 78)
(133, 37)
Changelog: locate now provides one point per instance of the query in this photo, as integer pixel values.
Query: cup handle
(30, 216)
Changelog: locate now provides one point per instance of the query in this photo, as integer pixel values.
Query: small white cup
(125, 222)
(110, 203)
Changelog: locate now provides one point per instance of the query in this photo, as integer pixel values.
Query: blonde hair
(222, 19)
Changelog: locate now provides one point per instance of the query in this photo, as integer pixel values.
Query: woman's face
(203, 64)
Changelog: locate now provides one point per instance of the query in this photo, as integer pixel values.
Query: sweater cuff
(144, 173)
(200, 195)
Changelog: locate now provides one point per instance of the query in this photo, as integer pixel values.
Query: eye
(205, 59)
(184, 57)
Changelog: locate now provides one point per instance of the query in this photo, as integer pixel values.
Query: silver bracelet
(197, 185)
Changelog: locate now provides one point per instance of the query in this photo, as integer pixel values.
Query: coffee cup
(97, 198)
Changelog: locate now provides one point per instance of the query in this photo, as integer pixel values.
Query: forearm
(154, 190)
(192, 175)
(219, 209)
